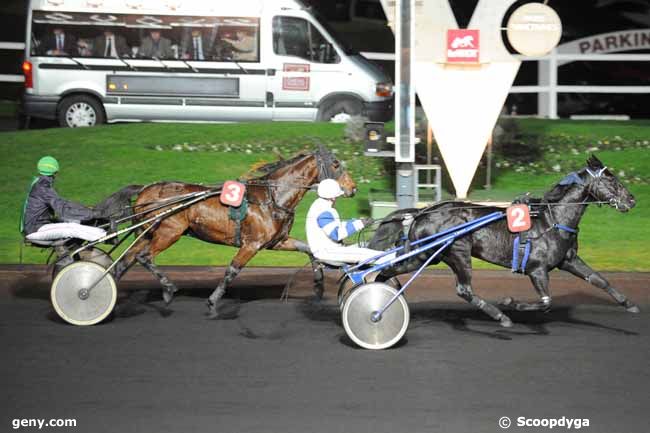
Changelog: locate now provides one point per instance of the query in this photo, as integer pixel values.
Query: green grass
(7, 109)
(98, 161)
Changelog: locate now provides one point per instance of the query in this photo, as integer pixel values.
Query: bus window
(238, 43)
(297, 37)
(146, 37)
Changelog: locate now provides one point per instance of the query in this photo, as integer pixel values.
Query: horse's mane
(556, 193)
(264, 168)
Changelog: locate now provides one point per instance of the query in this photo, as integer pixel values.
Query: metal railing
(436, 186)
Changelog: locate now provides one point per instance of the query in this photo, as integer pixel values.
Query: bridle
(324, 161)
(597, 175)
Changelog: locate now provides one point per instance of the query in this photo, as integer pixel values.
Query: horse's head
(331, 168)
(602, 185)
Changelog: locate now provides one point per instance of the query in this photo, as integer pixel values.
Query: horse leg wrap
(601, 283)
(168, 286)
(231, 273)
(489, 309)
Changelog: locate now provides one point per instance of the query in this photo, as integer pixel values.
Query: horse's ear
(594, 162)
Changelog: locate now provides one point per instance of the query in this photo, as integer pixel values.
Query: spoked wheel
(346, 286)
(361, 325)
(72, 300)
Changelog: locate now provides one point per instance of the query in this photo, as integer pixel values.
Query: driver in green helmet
(44, 209)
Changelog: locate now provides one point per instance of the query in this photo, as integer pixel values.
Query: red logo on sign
(295, 83)
(462, 46)
(232, 193)
(518, 218)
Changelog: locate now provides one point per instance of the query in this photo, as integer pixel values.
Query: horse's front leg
(291, 244)
(539, 278)
(243, 256)
(580, 269)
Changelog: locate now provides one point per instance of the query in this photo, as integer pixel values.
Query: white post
(552, 85)
(543, 79)
(404, 103)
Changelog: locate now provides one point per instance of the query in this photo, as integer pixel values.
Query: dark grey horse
(553, 238)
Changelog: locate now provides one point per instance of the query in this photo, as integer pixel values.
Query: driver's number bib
(232, 193)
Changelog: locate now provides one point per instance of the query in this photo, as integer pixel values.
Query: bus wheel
(341, 110)
(79, 111)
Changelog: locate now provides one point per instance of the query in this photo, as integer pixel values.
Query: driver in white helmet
(325, 230)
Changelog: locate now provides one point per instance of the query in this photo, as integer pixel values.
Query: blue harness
(522, 245)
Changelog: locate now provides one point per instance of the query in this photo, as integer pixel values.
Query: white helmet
(329, 189)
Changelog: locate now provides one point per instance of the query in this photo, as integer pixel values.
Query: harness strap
(565, 228)
(521, 245)
(238, 214)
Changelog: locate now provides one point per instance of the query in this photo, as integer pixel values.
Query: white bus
(93, 61)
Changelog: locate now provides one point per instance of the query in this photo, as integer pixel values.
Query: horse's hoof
(506, 302)
(505, 321)
(633, 309)
(168, 296)
(212, 313)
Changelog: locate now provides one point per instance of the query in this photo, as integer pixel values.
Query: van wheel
(80, 111)
(341, 110)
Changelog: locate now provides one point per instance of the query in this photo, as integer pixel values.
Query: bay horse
(553, 237)
(272, 199)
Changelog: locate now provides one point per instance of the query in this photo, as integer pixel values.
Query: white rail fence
(12, 78)
(548, 87)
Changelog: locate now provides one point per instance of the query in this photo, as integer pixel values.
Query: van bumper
(381, 111)
(39, 106)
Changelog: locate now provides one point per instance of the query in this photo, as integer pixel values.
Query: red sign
(518, 218)
(232, 193)
(462, 46)
(295, 83)
(296, 67)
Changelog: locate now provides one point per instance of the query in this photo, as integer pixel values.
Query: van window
(145, 36)
(298, 37)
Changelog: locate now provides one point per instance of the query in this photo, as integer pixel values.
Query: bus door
(304, 64)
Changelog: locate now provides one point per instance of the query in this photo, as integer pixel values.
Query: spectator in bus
(245, 46)
(59, 43)
(84, 47)
(156, 46)
(110, 45)
(196, 47)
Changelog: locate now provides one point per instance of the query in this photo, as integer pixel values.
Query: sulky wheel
(96, 255)
(92, 254)
(358, 310)
(72, 300)
(346, 286)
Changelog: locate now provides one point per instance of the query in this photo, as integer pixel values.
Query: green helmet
(47, 166)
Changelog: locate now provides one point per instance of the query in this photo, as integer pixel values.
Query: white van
(93, 61)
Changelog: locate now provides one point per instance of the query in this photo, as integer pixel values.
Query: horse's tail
(118, 204)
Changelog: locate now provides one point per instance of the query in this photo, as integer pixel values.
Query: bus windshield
(335, 35)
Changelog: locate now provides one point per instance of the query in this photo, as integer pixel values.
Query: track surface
(274, 366)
